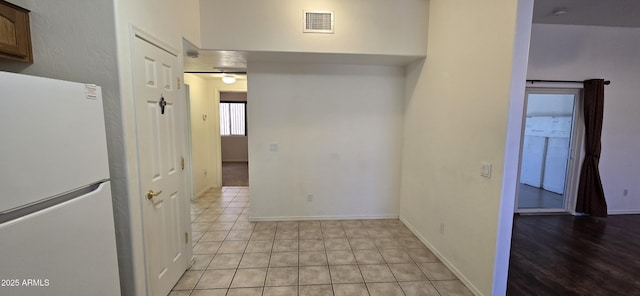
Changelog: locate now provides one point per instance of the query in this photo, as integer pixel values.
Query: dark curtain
(591, 199)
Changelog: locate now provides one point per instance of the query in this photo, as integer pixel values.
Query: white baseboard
(611, 212)
(307, 218)
(191, 262)
(444, 260)
(203, 191)
(624, 212)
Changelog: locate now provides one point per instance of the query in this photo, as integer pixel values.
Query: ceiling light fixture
(228, 78)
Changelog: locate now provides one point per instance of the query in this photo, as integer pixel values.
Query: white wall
(338, 129)
(457, 115)
(561, 52)
(201, 100)
(361, 26)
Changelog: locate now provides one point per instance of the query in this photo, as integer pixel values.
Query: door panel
(555, 168)
(157, 116)
(154, 141)
(532, 160)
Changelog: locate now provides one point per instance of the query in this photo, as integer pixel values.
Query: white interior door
(159, 112)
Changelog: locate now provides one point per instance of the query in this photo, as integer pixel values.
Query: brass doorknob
(151, 194)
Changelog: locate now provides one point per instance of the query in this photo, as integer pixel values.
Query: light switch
(273, 147)
(485, 169)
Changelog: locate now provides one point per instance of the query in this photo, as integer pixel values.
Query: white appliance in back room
(57, 232)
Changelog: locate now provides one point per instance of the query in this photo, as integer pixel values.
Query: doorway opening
(234, 144)
(549, 158)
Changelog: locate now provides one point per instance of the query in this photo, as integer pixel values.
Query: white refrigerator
(57, 233)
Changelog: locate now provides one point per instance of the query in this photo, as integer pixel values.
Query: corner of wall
(443, 258)
(512, 145)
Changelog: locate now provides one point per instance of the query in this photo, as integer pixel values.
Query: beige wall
(361, 26)
(202, 136)
(456, 116)
(190, 21)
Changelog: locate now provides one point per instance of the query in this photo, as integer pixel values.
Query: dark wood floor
(567, 255)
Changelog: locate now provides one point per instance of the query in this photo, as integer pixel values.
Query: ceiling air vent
(318, 22)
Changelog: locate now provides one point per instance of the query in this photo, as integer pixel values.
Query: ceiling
(218, 76)
(215, 61)
(615, 13)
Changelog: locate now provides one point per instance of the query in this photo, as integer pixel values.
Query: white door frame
(186, 248)
(576, 149)
(188, 143)
(218, 145)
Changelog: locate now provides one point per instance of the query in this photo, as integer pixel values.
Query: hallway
(350, 257)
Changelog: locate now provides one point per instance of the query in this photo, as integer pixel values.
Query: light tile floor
(235, 257)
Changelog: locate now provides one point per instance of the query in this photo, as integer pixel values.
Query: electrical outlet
(485, 169)
(309, 196)
(625, 192)
(441, 228)
(205, 172)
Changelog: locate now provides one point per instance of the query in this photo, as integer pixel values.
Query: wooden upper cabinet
(15, 35)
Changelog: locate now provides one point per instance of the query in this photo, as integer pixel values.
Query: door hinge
(186, 237)
(178, 82)
(182, 163)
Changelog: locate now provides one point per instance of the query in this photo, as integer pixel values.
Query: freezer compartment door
(53, 138)
(67, 249)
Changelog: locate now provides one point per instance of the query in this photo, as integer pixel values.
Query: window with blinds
(233, 119)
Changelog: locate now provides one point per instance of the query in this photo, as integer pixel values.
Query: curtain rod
(606, 82)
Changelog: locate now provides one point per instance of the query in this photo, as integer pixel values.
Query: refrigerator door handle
(42, 204)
